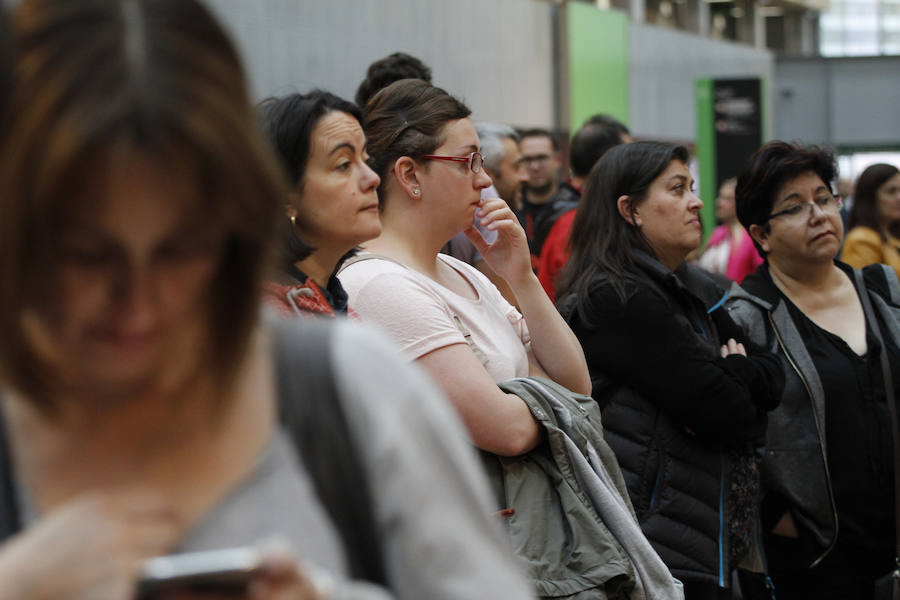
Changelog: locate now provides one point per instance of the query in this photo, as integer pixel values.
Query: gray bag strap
(872, 318)
(310, 410)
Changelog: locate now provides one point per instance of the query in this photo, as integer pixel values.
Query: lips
(822, 235)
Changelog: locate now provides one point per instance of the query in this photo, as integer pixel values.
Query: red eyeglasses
(474, 160)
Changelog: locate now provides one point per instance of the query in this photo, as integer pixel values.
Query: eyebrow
(469, 147)
(341, 146)
(793, 195)
(683, 178)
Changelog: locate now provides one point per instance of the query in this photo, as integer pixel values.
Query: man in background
(502, 160)
(540, 158)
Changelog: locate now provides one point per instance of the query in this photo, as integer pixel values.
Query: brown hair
(407, 118)
(97, 76)
(865, 199)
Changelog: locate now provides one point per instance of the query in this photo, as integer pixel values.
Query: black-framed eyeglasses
(474, 160)
(524, 161)
(828, 204)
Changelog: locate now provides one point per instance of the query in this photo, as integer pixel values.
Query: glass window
(860, 28)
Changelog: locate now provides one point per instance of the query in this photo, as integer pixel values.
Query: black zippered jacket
(683, 421)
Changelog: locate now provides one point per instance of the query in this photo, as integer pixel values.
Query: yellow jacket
(864, 246)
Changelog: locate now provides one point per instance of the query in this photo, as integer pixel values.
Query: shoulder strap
(10, 521)
(479, 353)
(367, 256)
(310, 409)
(889, 398)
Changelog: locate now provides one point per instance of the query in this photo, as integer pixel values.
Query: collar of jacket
(686, 281)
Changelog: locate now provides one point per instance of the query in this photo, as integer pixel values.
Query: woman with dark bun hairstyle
(146, 407)
(684, 401)
(873, 234)
(827, 472)
(444, 313)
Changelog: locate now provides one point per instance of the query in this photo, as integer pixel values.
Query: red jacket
(555, 253)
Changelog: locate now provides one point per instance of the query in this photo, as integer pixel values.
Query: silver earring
(293, 220)
(416, 192)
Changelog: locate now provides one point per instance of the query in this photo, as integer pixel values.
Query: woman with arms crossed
(445, 314)
(683, 405)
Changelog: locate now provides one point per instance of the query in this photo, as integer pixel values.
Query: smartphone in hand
(225, 572)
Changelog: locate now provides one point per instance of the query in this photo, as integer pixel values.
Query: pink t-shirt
(420, 314)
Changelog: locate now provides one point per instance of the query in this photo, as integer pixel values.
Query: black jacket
(683, 421)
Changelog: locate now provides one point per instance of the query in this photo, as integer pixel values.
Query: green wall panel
(598, 63)
(705, 150)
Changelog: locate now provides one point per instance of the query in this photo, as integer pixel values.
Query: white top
(420, 315)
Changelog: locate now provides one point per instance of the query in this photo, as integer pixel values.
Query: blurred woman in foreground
(140, 392)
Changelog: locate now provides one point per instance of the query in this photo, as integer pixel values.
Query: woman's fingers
(732, 347)
(494, 210)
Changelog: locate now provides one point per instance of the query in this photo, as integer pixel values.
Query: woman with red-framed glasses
(445, 314)
(451, 320)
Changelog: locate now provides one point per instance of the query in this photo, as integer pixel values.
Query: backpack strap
(311, 412)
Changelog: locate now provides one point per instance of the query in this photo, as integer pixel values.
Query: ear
(760, 235)
(623, 205)
(404, 172)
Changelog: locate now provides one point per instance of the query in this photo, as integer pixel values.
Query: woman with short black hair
(332, 206)
(828, 508)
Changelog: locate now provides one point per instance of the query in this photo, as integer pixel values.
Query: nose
(369, 180)
(133, 296)
(816, 212)
(481, 180)
(695, 203)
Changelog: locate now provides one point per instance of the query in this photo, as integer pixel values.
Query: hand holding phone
(272, 570)
(224, 572)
